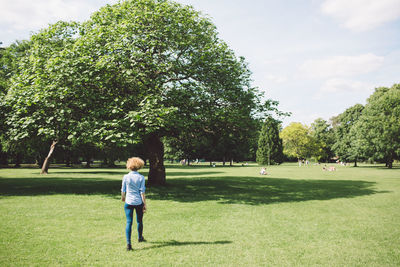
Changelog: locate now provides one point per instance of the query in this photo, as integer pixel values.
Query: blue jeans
(129, 218)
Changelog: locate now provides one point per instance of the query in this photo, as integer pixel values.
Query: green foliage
(35, 97)
(134, 69)
(346, 141)
(270, 149)
(324, 137)
(378, 129)
(298, 141)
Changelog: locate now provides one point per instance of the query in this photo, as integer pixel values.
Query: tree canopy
(378, 128)
(134, 72)
(346, 142)
(270, 149)
(323, 135)
(298, 141)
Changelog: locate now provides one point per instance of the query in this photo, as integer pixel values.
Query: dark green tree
(324, 137)
(270, 149)
(378, 128)
(345, 145)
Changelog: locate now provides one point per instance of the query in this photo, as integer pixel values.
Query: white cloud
(362, 15)
(33, 15)
(275, 78)
(342, 66)
(340, 86)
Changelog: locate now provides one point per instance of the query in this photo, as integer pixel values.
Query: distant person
(133, 194)
(263, 171)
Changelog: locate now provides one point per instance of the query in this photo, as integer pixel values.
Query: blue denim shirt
(133, 186)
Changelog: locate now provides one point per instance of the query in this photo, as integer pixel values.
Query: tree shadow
(196, 174)
(143, 172)
(382, 167)
(121, 173)
(255, 191)
(175, 243)
(224, 190)
(59, 185)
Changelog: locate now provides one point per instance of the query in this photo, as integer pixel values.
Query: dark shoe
(128, 247)
(142, 239)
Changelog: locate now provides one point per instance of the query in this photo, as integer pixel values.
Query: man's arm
(123, 194)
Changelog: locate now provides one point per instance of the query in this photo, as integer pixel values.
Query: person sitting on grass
(133, 194)
(263, 171)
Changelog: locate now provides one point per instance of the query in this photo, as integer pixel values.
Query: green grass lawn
(223, 216)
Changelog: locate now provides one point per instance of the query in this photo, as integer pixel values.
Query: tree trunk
(231, 164)
(87, 162)
(355, 163)
(155, 151)
(68, 161)
(18, 160)
(46, 163)
(3, 158)
(389, 162)
(390, 165)
(68, 158)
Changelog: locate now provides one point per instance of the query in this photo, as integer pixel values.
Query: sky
(316, 57)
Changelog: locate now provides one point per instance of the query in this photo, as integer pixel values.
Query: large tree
(378, 128)
(137, 70)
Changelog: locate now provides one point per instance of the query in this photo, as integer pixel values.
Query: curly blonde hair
(134, 163)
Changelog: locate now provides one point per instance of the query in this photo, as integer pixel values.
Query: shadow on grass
(175, 243)
(143, 172)
(59, 185)
(99, 172)
(395, 167)
(245, 190)
(255, 191)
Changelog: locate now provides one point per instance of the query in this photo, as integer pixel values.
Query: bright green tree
(42, 107)
(9, 58)
(298, 141)
(270, 149)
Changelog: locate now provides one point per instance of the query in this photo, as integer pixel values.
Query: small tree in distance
(270, 150)
(298, 141)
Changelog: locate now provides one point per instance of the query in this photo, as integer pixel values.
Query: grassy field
(222, 216)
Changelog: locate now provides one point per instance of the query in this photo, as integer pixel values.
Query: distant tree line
(361, 133)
